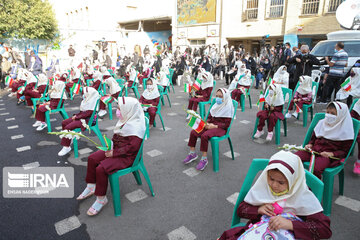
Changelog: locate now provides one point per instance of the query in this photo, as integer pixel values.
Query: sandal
(86, 193)
(97, 206)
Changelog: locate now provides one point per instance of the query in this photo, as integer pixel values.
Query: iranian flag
(346, 85)
(21, 90)
(80, 66)
(9, 81)
(96, 67)
(312, 162)
(270, 81)
(197, 84)
(197, 124)
(106, 99)
(146, 105)
(298, 110)
(187, 87)
(75, 88)
(261, 99)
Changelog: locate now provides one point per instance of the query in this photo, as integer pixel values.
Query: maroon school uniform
(115, 96)
(17, 84)
(96, 84)
(273, 116)
(99, 166)
(34, 94)
(205, 135)
(151, 110)
(313, 227)
(339, 148)
(70, 84)
(355, 115)
(302, 99)
(236, 93)
(194, 101)
(41, 109)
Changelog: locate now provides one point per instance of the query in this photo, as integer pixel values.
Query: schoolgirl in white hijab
(163, 79)
(305, 85)
(226, 108)
(151, 91)
(303, 95)
(114, 91)
(207, 79)
(281, 77)
(355, 86)
(150, 96)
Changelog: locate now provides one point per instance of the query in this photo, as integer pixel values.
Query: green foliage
(32, 19)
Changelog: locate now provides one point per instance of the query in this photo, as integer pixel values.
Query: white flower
(64, 133)
(83, 122)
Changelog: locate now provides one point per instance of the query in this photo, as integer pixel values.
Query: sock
(91, 185)
(102, 200)
(203, 158)
(358, 161)
(192, 152)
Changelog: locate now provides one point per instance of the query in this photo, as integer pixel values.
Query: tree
(32, 19)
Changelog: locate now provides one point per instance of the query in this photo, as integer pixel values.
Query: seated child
(303, 95)
(274, 102)
(241, 83)
(332, 137)
(217, 124)
(37, 92)
(150, 96)
(282, 201)
(114, 90)
(281, 77)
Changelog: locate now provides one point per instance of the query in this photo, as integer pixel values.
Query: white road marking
(191, 172)
(175, 104)
(179, 97)
(233, 198)
(17, 137)
(85, 151)
(59, 128)
(67, 225)
(245, 122)
(47, 143)
(2, 109)
(228, 154)
(13, 127)
(3, 114)
(31, 165)
(348, 203)
(136, 196)
(22, 149)
(172, 114)
(9, 119)
(154, 153)
(181, 233)
(186, 140)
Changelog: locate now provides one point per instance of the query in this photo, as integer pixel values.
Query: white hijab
(341, 129)
(277, 99)
(281, 77)
(355, 83)
(132, 76)
(97, 76)
(90, 98)
(246, 79)
(30, 78)
(305, 85)
(43, 80)
(299, 199)
(133, 122)
(77, 74)
(21, 74)
(207, 79)
(114, 86)
(357, 107)
(226, 108)
(153, 93)
(57, 89)
(163, 79)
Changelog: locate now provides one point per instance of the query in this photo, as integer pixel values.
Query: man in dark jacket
(303, 63)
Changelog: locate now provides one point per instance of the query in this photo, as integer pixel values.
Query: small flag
(146, 105)
(298, 110)
(75, 88)
(80, 66)
(270, 82)
(21, 90)
(197, 124)
(108, 144)
(187, 87)
(8, 81)
(96, 67)
(197, 84)
(312, 162)
(261, 99)
(346, 85)
(106, 99)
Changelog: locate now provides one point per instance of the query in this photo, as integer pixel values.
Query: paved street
(188, 204)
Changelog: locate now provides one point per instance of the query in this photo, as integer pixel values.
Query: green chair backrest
(139, 155)
(314, 122)
(91, 120)
(257, 165)
(235, 104)
(46, 89)
(353, 104)
(314, 87)
(286, 91)
(60, 105)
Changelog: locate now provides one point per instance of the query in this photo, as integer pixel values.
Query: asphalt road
(188, 203)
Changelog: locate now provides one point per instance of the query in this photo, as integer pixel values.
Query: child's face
(219, 94)
(331, 111)
(277, 181)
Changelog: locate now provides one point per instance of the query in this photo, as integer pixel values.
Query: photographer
(304, 63)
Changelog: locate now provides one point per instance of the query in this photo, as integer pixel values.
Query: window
(310, 7)
(333, 4)
(252, 9)
(276, 8)
(197, 42)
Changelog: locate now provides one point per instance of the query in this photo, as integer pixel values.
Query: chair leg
(311, 113)
(64, 114)
(285, 127)
(98, 134)
(202, 110)
(215, 154)
(305, 117)
(341, 182)
(231, 148)
(328, 193)
(242, 102)
(277, 132)
(250, 101)
(137, 177)
(115, 191)
(110, 110)
(162, 100)
(162, 121)
(47, 119)
(168, 99)
(147, 178)
(76, 148)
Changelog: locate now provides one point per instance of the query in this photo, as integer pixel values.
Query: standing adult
(336, 72)
(71, 52)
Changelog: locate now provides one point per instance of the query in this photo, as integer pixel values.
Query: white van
(351, 40)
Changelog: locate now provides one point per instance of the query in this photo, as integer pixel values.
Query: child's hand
(327, 154)
(272, 108)
(267, 209)
(109, 153)
(73, 117)
(279, 222)
(295, 100)
(308, 146)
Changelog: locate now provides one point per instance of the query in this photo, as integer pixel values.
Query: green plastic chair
(309, 107)
(164, 93)
(169, 76)
(60, 109)
(42, 99)
(330, 173)
(135, 89)
(215, 140)
(202, 104)
(286, 91)
(93, 126)
(158, 112)
(257, 165)
(242, 97)
(137, 166)
(353, 104)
